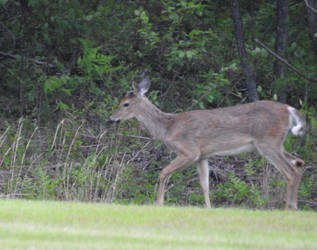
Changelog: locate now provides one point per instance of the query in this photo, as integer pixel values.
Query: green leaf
(63, 106)
(3, 2)
(173, 16)
(66, 91)
(88, 17)
(144, 17)
(181, 54)
(190, 54)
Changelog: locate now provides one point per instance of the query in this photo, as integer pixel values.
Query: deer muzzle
(111, 121)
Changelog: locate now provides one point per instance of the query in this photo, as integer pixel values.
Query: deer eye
(126, 104)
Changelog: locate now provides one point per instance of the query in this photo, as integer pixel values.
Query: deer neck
(154, 120)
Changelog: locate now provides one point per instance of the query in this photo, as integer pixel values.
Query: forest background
(64, 66)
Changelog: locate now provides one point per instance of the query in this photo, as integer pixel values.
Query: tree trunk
(312, 22)
(281, 44)
(248, 74)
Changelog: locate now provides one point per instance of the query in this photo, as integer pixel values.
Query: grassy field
(62, 225)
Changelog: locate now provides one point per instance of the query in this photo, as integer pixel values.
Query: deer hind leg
(203, 171)
(295, 161)
(287, 165)
(298, 168)
(180, 162)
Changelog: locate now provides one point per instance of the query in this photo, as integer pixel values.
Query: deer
(197, 135)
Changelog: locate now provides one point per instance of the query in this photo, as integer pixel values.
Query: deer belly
(235, 151)
(227, 150)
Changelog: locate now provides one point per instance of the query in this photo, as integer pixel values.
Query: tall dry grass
(71, 162)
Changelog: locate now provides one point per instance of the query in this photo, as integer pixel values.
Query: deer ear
(144, 86)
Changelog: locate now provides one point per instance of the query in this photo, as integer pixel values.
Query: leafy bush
(236, 191)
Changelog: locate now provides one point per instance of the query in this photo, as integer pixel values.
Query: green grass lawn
(65, 225)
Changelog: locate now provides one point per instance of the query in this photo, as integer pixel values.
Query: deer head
(130, 102)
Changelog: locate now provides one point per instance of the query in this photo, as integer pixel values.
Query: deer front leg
(203, 172)
(181, 161)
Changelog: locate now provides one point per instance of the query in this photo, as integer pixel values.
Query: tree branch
(310, 7)
(7, 55)
(284, 61)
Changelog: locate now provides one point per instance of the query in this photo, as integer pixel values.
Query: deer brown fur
(197, 135)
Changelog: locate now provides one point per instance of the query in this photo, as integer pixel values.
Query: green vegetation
(73, 225)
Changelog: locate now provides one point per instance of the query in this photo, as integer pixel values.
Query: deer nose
(111, 121)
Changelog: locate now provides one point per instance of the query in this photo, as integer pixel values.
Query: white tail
(197, 135)
(297, 121)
